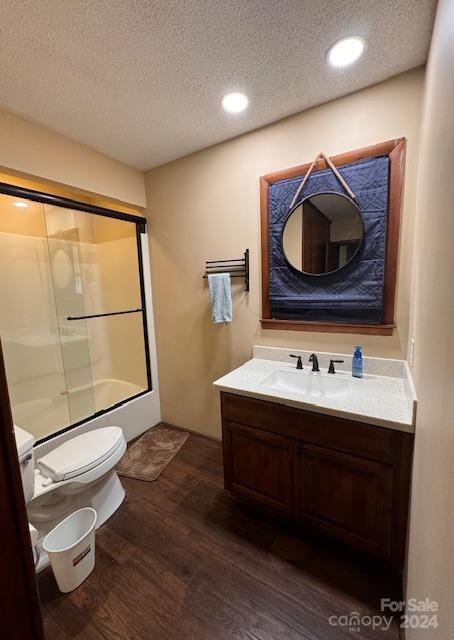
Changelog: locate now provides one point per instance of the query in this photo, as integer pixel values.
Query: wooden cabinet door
(344, 496)
(258, 466)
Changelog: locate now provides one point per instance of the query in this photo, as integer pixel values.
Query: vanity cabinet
(336, 478)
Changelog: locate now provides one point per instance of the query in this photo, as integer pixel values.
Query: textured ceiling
(141, 80)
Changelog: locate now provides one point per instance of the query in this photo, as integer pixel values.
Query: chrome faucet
(314, 360)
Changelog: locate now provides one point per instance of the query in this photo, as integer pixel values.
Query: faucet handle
(299, 363)
(331, 365)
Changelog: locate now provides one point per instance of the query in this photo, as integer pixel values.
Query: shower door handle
(104, 315)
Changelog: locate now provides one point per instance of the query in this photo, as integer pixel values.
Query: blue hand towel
(221, 297)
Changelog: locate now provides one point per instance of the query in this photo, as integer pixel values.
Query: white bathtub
(45, 416)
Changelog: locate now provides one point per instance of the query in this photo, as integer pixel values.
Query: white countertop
(386, 401)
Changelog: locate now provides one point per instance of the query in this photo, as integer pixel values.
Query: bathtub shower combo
(72, 313)
(75, 339)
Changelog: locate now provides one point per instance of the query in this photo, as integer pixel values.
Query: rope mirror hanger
(330, 164)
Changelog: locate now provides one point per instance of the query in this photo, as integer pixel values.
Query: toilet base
(105, 496)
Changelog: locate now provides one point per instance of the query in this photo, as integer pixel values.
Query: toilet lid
(80, 454)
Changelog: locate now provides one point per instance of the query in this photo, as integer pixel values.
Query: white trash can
(71, 548)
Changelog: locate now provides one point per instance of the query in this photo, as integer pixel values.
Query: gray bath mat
(150, 455)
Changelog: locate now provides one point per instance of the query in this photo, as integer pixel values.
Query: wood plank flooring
(182, 560)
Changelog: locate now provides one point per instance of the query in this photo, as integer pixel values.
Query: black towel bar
(238, 268)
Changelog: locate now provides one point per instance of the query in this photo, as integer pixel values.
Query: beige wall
(431, 554)
(28, 148)
(206, 206)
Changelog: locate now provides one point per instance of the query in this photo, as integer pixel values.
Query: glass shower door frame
(66, 203)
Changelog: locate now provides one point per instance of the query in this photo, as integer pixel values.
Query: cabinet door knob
(286, 446)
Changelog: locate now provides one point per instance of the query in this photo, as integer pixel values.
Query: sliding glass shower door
(65, 255)
(91, 301)
(95, 269)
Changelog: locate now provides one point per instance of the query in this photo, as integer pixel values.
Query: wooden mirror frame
(395, 150)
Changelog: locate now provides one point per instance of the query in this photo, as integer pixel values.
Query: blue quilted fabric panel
(355, 294)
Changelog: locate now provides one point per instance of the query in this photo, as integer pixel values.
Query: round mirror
(323, 233)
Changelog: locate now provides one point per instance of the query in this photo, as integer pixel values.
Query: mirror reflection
(323, 233)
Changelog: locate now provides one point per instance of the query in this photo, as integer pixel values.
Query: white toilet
(78, 473)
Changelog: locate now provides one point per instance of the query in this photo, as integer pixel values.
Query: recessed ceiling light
(235, 102)
(20, 205)
(346, 51)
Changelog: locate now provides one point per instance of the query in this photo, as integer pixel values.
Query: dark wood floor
(182, 560)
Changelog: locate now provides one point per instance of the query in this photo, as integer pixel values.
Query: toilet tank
(24, 443)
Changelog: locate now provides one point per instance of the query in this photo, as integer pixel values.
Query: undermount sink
(314, 385)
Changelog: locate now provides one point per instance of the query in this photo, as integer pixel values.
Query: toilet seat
(81, 454)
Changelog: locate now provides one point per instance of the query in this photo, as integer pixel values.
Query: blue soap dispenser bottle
(357, 363)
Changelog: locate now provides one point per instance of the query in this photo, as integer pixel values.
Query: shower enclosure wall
(72, 312)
